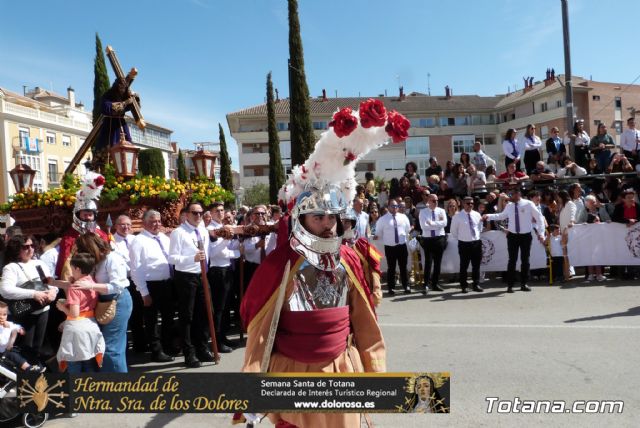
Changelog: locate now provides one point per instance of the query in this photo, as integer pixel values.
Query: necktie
(126, 243)
(433, 218)
(166, 256)
(515, 150)
(395, 229)
(515, 206)
(473, 232)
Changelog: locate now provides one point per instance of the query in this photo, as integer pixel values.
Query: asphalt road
(570, 342)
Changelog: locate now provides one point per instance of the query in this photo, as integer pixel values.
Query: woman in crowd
(383, 194)
(601, 145)
(490, 174)
(411, 171)
(374, 215)
(449, 174)
(567, 216)
(532, 145)
(465, 160)
(444, 191)
(593, 167)
(459, 181)
(451, 208)
(555, 150)
(581, 140)
(512, 149)
(620, 163)
(112, 283)
(594, 273)
(19, 277)
(394, 189)
(476, 183)
(575, 192)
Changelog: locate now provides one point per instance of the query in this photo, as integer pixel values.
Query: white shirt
(480, 160)
(252, 254)
(385, 229)
(532, 143)
(113, 272)
(362, 224)
(579, 172)
(582, 139)
(13, 277)
(555, 242)
(122, 245)
(221, 251)
(462, 230)
(527, 213)
(507, 148)
(567, 215)
(428, 223)
(50, 258)
(148, 261)
(183, 246)
(629, 139)
(5, 335)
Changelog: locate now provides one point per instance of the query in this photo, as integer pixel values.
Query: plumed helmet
(90, 188)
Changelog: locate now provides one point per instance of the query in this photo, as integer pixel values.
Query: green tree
(182, 168)
(302, 137)
(100, 79)
(258, 194)
(226, 177)
(151, 162)
(276, 171)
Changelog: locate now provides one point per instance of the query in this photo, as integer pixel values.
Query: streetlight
(124, 156)
(22, 176)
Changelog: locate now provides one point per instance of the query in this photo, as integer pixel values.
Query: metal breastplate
(318, 289)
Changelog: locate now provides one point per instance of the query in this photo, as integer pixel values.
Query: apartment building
(441, 126)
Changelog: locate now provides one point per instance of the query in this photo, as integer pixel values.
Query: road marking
(434, 325)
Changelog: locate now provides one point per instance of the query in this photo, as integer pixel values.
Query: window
(544, 132)
(66, 141)
(558, 103)
(283, 126)
(285, 150)
(596, 98)
(596, 122)
(618, 103)
(488, 141)
(256, 171)
(618, 125)
(51, 137)
(255, 148)
(34, 163)
(427, 122)
(462, 143)
(54, 177)
(461, 120)
(487, 119)
(417, 147)
(24, 135)
(447, 121)
(392, 165)
(543, 107)
(319, 125)
(365, 166)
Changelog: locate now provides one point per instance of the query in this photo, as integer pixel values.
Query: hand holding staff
(207, 299)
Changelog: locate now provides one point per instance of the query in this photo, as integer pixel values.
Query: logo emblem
(41, 394)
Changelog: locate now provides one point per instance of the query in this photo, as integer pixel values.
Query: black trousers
(582, 153)
(35, 327)
(249, 269)
(557, 266)
(220, 281)
(163, 299)
(470, 252)
(191, 313)
(531, 157)
(518, 242)
(396, 254)
(136, 320)
(433, 250)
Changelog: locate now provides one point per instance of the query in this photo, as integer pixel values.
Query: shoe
(591, 277)
(525, 287)
(477, 288)
(601, 278)
(391, 292)
(509, 289)
(233, 344)
(192, 362)
(407, 290)
(464, 290)
(436, 287)
(424, 290)
(224, 349)
(35, 369)
(161, 357)
(207, 356)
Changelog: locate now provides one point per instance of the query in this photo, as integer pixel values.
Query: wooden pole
(208, 305)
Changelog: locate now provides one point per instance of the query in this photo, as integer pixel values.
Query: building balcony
(42, 116)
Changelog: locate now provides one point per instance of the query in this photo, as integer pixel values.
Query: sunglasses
(27, 246)
(196, 213)
(260, 213)
(394, 206)
(468, 203)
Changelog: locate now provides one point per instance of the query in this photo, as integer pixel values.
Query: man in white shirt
(362, 220)
(393, 229)
(50, 251)
(256, 248)
(466, 227)
(152, 275)
(524, 218)
(433, 220)
(480, 159)
(187, 246)
(122, 243)
(630, 141)
(220, 275)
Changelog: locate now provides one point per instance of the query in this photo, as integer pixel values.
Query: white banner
(604, 244)
(494, 254)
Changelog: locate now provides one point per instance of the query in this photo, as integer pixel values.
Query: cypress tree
(302, 136)
(100, 79)
(276, 171)
(151, 162)
(182, 168)
(226, 177)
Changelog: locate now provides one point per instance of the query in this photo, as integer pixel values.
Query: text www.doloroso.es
(553, 406)
(334, 404)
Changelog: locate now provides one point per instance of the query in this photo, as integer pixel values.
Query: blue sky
(201, 59)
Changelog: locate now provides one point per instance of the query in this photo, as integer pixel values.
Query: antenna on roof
(336, 91)
(429, 84)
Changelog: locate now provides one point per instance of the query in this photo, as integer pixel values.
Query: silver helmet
(81, 225)
(326, 199)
